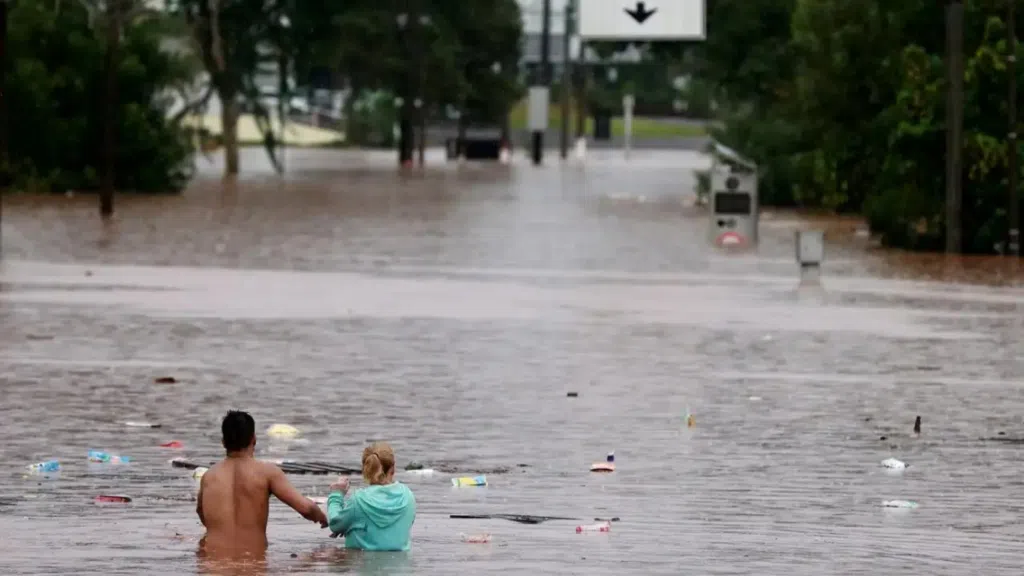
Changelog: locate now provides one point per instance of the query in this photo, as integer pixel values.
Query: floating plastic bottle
(137, 424)
(45, 467)
(465, 481)
(421, 472)
(476, 538)
(599, 527)
(105, 458)
(197, 474)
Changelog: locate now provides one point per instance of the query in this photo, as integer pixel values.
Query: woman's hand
(340, 485)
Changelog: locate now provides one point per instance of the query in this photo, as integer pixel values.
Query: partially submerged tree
(71, 134)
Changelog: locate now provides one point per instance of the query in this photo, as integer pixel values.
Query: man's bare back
(234, 496)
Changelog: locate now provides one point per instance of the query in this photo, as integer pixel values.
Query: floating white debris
(905, 504)
(197, 474)
(420, 472)
(135, 424)
(282, 431)
(893, 464)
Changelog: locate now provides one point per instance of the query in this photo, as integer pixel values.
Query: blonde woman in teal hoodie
(379, 516)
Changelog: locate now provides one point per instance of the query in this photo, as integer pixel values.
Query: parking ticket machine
(733, 202)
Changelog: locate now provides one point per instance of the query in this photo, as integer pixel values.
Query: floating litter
(99, 456)
(135, 424)
(599, 527)
(607, 466)
(420, 472)
(172, 444)
(465, 481)
(904, 504)
(197, 474)
(893, 464)
(476, 538)
(108, 499)
(282, 431)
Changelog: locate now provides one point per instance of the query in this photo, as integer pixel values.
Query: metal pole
(954, 123)
(544, 76)
(581, 99)
(627, 124)
(1011, 137)
(4, 158)
(566, 77)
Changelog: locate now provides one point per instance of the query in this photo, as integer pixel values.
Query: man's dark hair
(238, 429)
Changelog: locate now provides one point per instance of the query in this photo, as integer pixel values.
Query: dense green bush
(842, 103)
(55, 95)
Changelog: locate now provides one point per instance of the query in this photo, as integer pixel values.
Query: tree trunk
(353, 135)
(581, 101)
(506, 130)
(229, 133)
(110, 111)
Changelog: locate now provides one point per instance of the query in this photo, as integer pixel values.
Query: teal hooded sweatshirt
(374, 518)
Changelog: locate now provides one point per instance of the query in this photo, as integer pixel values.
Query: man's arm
(281, 488)
(199, 501)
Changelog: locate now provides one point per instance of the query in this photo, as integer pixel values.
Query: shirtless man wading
(234, 495)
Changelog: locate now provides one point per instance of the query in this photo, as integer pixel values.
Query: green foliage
(54, 97)
(842, 103)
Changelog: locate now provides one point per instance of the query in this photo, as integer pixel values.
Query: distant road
(523, 138)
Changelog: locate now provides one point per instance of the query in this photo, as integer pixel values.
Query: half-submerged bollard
(810, 252)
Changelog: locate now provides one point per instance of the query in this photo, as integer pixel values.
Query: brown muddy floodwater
(450, 314)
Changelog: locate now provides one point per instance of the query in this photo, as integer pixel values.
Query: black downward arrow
(640, 13)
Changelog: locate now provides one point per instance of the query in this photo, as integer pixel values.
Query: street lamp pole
(566, 76)
(544, 76)
(954, 123)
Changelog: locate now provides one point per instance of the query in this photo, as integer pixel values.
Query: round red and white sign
(731, 240)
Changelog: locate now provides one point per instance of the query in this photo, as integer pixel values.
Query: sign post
(627, 123)
(641, 21)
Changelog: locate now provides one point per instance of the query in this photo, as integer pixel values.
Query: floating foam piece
(893, 464)
(282, 431)
(905, 504)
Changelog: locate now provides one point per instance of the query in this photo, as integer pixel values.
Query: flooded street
(450, 314)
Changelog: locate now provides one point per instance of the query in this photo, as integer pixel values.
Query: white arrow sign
(626, 20)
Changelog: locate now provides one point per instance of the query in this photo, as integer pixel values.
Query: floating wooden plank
(520, 518)
(288, 466)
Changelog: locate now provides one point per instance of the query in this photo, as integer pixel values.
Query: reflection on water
(451, 314)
